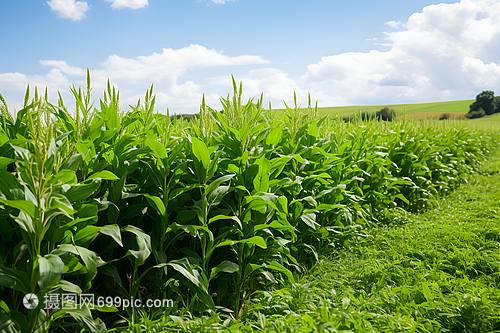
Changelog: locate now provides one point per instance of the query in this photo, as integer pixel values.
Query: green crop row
(136, 205)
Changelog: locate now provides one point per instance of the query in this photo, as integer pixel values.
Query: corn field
(135, 204)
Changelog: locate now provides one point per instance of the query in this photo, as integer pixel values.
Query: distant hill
(456, 109)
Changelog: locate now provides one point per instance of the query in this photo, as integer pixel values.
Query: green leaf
(226, 266)
(255, 240)
(113, 231)
(82, 191)
(216, 196)
(216, 183)
(159, 149)
(89, 258)
(69, 287)
(225, 217)
(85, 235)
(201, 152)
(7, 325)
(65, 177)
(274, 265)
(50, 268)
(157, 204)
(61, 203)
(25, 206)
(106, 308)
(402, 197)
(261, 181)
(82, 316)
(312, 129)
(9, 186)
(310, 220)
(14, 279)
(73, 162)
(143, 242)
(184, 267)
(105, 175)
(4, 162)
(274, 137)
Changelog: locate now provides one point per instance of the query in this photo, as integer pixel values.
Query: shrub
(475, 114)
(444, 116)
(386, 114)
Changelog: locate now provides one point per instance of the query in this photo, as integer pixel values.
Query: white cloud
(222, 1)
(18, 82)
(445, 52)
(63, 66)
(395, 25)
(171, 64)
(436, 55)
(13, 86)
(486, 75)
(69, 8)
(132, 4)
(133, 76)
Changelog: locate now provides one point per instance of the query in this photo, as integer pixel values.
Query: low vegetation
(139, 205)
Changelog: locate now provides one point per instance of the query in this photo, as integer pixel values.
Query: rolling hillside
(456, 109)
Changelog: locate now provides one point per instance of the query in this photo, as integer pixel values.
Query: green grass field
(439, 107)
(493, 118)
(429, 108)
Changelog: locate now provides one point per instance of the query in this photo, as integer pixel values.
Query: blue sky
(342, 52)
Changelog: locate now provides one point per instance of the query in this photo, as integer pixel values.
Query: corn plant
(138, 204)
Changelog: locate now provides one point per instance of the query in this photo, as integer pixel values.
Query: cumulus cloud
(171, 64)
(436, 55)
(133, 76)
(18, 82)
(395, 25)
(132, 4)
(445, 52)
(13, 85)
(70, 9)
(63, 66)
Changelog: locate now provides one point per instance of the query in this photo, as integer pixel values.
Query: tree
(485, 100)
(386, 114)
(496, 102)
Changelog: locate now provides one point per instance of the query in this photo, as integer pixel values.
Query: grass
(437, 108)
(492, 118)
(434, 272)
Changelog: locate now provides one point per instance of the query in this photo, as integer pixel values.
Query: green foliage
(486, 103)
(444, 116)
(363, 116)
(434, 272)
(475, 114)
(204, 212)
(386, 114)
(496, 103)
(484, 100)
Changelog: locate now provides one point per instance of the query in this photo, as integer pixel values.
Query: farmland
(231, 216)
(430, 110)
